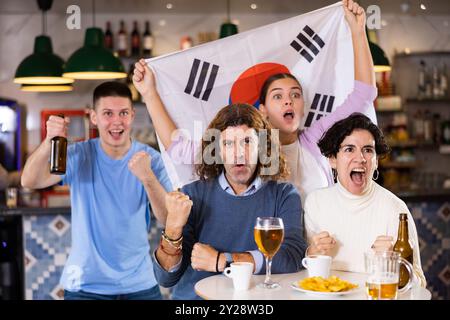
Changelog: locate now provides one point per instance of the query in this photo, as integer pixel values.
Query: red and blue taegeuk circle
(247, 87)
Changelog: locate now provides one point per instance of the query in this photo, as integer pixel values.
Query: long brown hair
(235, 115)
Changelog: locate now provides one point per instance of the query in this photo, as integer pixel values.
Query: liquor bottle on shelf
(122, 45)
(186, 43)
(422, 76)
(444, 81)
(436, 83)
(147, 41)
(428, 127)
(109, 41)
(135, 41)
(445, 130)
(437, 128)
(403, 247)
(418, 127)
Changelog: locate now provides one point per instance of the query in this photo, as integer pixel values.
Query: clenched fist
(203, 257)
(57, 126)
(355, 16)
(383, 243)
(139, 165)
(178, 207)
(322, 243)
(143, 78)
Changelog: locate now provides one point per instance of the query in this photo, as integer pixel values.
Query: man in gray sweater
(210, 222)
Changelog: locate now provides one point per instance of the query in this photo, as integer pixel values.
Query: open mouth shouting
(358, 176)
(289, 115)
(116, 134)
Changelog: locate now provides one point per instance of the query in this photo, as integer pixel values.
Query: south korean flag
(195, 83)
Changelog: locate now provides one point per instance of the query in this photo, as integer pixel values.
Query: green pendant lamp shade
(93, 60)
(380, 61)
(41, 67)
(228, 29)
(46, 87)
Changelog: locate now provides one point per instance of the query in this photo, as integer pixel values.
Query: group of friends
(323, 187)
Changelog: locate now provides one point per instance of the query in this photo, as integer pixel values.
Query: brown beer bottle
(403, 247)
(58, 154)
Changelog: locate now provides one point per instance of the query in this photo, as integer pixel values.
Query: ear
(263, 110)
(93, 116)
(332, 161)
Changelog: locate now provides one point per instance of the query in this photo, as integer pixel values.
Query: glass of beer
(269, 234)
(383, 269)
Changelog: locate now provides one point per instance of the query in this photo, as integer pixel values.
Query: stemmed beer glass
(269, 234)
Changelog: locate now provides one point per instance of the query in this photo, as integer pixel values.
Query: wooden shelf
(399, 165)
(412, 144)
(444, 149)
(428, 101)
(421, 54)
(403, 144)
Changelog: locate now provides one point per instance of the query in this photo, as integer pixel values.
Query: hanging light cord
(44, 22)
(228, 10)
(93, 13)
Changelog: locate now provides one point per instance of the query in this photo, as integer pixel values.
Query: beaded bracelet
(174, 243)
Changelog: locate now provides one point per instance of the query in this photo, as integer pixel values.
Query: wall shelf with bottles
(423, 54)
(399, 164)
(411, 144)
(437, 102)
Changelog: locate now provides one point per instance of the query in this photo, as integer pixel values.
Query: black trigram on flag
(201, 79)
(307, 47)
(325, 104)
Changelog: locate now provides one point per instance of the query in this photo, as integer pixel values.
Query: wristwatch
(228, 258)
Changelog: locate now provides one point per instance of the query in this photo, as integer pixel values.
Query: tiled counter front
(432, 219)
(47, 242)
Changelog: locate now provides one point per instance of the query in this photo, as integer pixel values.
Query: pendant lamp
(93, 61)
(228, 28)
(380, 60)
(46, 88)
(43, 66)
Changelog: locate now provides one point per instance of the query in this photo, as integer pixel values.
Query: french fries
(332, 284)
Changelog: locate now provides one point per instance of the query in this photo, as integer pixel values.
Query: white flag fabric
(195, 83)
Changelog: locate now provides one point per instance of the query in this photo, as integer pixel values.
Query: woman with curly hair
(356, 214)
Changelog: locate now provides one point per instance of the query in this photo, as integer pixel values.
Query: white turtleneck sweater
(355, 221)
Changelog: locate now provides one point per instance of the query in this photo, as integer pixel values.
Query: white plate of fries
(318, 286)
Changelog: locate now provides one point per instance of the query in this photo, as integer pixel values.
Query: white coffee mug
(317, 265)
(241, 273)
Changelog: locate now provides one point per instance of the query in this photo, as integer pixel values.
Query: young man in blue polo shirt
(112, 179)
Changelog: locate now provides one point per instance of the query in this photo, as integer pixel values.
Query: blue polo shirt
(110, 221)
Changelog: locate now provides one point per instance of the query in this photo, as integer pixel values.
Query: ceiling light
(93, 61)
(42, 66)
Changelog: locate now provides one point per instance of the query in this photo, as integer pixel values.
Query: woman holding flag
(282, 104)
